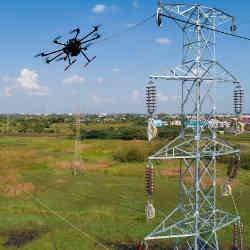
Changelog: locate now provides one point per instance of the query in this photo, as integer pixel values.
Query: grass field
(45, 207)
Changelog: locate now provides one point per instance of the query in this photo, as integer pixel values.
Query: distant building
(175, 123)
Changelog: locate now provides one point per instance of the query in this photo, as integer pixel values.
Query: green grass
(107, 205)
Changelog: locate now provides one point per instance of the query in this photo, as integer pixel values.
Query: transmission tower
(77, 165)
(196, 220)
(8, 123)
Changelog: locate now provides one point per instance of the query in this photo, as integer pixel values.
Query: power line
(118, 34)
(206, 27)
(69, 223)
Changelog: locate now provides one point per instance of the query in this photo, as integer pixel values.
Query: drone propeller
(94, 35)
(40, 54)
(77, 30)
(87, 45)
(61, 59)
(47, 60)
(96, 27)
(57, 38)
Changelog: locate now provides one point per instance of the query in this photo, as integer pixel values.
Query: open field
(45, 207)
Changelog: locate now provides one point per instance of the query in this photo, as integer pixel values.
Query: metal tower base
(183, 228)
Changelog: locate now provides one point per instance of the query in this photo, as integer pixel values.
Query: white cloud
(99, 8)
(135, 4)
(116, 70)
(135, 96)
(163, 40)
(100, 79)
(74, 79)
(28, 80)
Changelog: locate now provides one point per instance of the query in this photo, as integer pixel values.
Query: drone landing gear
(70, 64)
(90, 61)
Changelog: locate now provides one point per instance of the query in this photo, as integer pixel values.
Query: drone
(72, 48)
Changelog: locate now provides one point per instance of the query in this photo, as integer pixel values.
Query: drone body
(72, 48)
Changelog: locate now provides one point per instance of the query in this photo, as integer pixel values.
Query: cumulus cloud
(28, 80)
(99, 8)
(116, 70)
(75, 79)
(163, 41)
(100, 79)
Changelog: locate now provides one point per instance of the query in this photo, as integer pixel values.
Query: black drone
(73, 47)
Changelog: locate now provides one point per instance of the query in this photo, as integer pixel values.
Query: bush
(129, 154)
(245, 161)
(122, 133)
(170, 133)
(137, 153)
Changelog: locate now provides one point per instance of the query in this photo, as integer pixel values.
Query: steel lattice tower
(77, 162)
(196, 220)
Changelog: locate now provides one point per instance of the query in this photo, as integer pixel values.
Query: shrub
(123, 133)
(129, 154)
(137, 153)
(245, 161)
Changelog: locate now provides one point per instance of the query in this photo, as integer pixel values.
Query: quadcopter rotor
(40, 54)
(77, 30)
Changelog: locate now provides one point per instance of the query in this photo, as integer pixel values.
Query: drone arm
(50, 53)
(56, 42)
(77, 33)
(89, 60)
(52, 59)
(90, 40)
(70, 63)
(89, 34)
(85, 56)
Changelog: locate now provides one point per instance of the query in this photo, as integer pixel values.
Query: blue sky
(115, 81)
